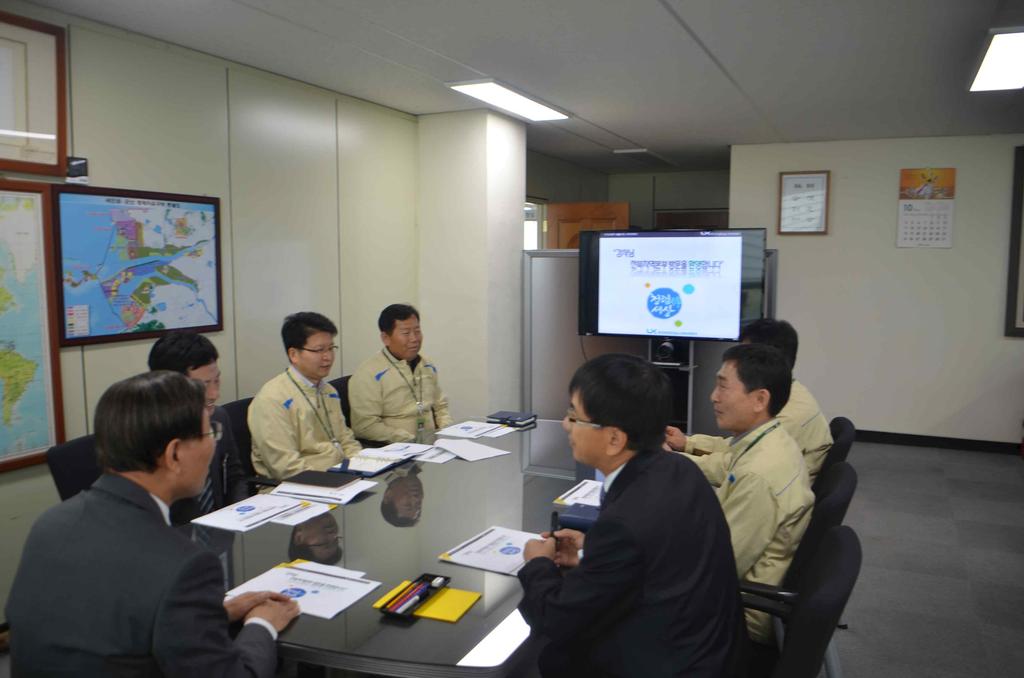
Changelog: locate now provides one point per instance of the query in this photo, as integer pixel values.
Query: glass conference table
(455, 501)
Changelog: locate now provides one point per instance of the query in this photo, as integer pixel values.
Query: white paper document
(403, 450)
(468, 429)
(496, 549)
(470, 451)
(249, 513)
(299, 563)
(436, 456)
(587, 493)
(307, 511)
(501, 431)
(318, 593)
(324, 495)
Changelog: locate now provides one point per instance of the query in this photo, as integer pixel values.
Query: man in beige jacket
(395, 394)
(801, 417)
(295, 418)
(762, 483)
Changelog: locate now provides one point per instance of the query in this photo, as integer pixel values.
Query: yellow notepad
(448, 604)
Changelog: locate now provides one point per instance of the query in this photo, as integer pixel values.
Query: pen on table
(554, 527)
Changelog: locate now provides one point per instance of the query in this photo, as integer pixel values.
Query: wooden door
(565, 220)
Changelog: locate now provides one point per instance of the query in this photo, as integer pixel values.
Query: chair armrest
(260, 481)
(772, 607)
(768, 591)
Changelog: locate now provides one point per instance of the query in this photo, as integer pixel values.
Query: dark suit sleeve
(190, 635)
(588, 596)
(234, 473)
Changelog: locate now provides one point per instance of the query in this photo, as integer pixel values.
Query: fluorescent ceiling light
(505, 99)
(626, 151)
(26, 135)
(1003, 66)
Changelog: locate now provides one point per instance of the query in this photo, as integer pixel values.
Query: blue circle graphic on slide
(294, 592)
(689, 289)
(664, 302)
(245, 509)
(510, 550)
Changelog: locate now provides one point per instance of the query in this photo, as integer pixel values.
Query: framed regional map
(135, 264)
(31, 410)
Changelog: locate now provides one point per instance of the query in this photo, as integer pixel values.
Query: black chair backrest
(833, 493)
(843, 433)
(73, 465)
(341, 386)
(828, 581)
(238, 413)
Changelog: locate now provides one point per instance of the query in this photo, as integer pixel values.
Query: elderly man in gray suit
(106, 586)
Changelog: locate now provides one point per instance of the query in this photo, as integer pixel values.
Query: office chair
(834, 492)
(843, 433)
(809, 616)
(73, 465)
(341, 386)
(238, 413)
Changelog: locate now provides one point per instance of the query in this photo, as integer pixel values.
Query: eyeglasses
(570, 416)
(326, 349)
(216, 430)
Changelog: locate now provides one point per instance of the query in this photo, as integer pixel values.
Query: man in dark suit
(195, 356)
(655, 591)
(105, 584)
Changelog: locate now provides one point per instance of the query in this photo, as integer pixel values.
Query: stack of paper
(587, 493)
(324, 495)
(470, 451)
(496, 549)
(468, 429)
(249, 513)
(320, 590)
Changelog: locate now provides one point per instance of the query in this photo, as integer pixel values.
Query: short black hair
(777, 333)
(762, 366)
(393, 314)
(180, 351)
(626, 392)
(301, 326)
(136, 418)
(305, 551)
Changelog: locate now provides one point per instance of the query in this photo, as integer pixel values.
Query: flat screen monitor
(686, 284)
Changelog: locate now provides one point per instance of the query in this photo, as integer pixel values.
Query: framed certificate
(803, 203)
(32, 96)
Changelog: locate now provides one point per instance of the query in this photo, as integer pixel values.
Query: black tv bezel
(587, 304)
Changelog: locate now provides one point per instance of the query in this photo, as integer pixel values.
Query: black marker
(554, 527)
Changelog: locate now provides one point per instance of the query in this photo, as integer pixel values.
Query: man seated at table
(655, 592)
(195, 356)
(763, 483)
(106, 587)
(801, 417)
(395, 394)
(295, 419)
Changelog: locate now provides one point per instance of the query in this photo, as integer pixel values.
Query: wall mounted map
(30, 407)
(135, 264)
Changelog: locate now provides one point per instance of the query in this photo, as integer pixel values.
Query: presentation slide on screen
(670, 286)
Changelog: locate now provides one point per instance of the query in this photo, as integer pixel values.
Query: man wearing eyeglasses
(106, 587)
(195, 356)
(295, 419)
(395, 394)
(654, 592)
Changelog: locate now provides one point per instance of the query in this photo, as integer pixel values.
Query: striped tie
(206, 497)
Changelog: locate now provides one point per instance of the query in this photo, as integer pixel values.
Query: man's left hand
(242, 604)
(539, 548)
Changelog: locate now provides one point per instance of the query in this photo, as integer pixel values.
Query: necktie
(602, 496)
(206, 497)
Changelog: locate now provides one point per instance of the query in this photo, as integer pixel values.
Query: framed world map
(31, 410)
(134, 264)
